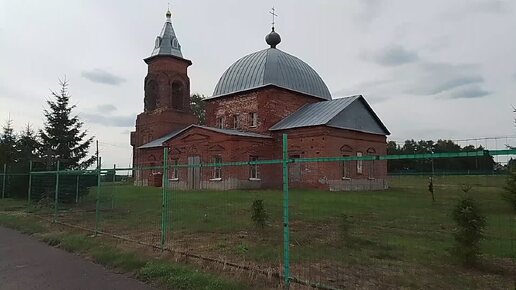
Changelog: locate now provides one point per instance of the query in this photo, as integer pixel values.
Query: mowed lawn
(396, 238)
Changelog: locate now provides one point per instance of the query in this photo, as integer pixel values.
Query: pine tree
(7, 143)
(28, 145)
(62, 138)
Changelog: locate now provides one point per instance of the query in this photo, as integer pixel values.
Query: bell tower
(166, 90)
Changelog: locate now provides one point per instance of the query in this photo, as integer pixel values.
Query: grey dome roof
(271, 66)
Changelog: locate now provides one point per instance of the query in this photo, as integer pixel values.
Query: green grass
(183, 277)
(397, 237)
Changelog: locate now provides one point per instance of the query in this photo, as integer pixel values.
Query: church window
(175, 171)
(346, 168)
(236, 122)
(254, 119)
(217, 169)
(158, 42)
(151, 95)
(359, 164)
(175, 43)
(177, 97)
(220, 122)
(370, 164)
(346, 164)
(253, 168)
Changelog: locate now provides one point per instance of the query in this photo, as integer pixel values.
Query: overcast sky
(430, 69)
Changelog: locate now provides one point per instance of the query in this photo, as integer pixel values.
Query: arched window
(346, 151)
(370, 164)
(177, 97)
(158, 42)
(151, 95)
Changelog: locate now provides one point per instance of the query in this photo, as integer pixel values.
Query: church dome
(271, 66)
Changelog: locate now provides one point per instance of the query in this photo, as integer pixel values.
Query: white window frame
(217, 170)
(254, 120)
(346, 168)
(360, 164)
(220, 122)
(175, 170)
(236, 121)
(254, 171)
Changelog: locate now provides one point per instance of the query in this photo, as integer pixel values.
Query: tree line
(481, 164)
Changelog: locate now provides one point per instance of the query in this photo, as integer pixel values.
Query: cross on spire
(273, 12)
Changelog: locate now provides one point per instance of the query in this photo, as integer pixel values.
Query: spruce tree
(28, 145)
(62, 137)
(7, 143)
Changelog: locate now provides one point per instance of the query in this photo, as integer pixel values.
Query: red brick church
(257, 99)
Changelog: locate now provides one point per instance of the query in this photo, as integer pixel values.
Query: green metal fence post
(56, 197)
(113, 187)
(30, 183)
(97, 197)
(3, 182)
(77, 188)
(164, 208)
(286, 230)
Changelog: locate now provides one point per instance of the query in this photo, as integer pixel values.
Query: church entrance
(194, 173)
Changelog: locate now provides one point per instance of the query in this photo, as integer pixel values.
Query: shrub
(471, 223)
(510, 190)
(259, 216)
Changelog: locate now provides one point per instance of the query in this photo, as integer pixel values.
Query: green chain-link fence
(333, 223)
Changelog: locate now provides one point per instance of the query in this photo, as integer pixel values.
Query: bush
(471, 223)
(510, 190)
(259, 216)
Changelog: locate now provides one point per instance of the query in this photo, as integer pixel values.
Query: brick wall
(271, 103)
(324, 141)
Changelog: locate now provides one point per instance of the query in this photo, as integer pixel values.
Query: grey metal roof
(352, 113)
(167, 42)
(271, 66)
(160, 141)
(234, 132)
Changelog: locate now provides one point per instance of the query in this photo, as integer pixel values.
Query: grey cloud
(394, 56)
(106, 108)
(435, 78)
(362, 88)
(490, 6)
(468, 92)
(369, 10)
(103, 77)
(424, 79)
(110, 121)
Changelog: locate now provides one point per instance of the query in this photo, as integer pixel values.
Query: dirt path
(26, 263)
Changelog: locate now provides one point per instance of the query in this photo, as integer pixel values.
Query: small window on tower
(254, 119)
(158, 41)
(175, 44)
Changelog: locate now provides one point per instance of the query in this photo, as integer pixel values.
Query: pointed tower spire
(167, 43)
